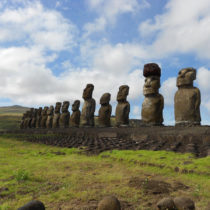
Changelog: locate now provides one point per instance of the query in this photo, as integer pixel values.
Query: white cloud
(98, 25)
(168, 90)
(35, 25)
(183, 27)
(137, 111)
(109, 10)
(203, 76)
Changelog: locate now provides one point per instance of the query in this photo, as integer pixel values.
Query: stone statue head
(75, 106)
(65, 106)
(39, 112)
(44, 111)
(185, 77)
(122, 93)
(88, 91)
(105, 98)
(58, 107)
(152, 73)
(50, 110)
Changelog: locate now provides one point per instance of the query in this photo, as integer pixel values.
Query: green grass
(10, 121)
(35, 171)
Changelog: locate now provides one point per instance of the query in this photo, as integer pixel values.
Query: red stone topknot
(151, 69)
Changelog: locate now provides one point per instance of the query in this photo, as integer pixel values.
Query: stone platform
(194, 140)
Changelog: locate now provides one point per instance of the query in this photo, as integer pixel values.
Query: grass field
(10, 117)
(66, 179)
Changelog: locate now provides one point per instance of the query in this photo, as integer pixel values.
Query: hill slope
(10, 116)
(13, 109)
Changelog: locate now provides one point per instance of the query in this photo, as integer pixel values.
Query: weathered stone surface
(22, 121)
(34, 116)
(49, 117)
(44, 117)
(105, 111)
(187, 99)
(153, 104)
(109, 203)
(33, 205)
(166, 204)
(123, 106)
(183, 203)
(88, 109)
(75, 117)
(56, 116)
(38, 118)
(28, 118)
(65, 116)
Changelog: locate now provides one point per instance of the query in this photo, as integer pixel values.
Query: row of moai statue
(186, 105)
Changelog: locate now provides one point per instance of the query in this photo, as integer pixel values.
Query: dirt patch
(59, 153)
(150, 186)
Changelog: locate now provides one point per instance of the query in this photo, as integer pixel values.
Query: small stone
(184, 203)
(109, 203)
(166, 204)
(33, 205)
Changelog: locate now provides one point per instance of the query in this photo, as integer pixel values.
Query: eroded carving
(57, 114)
(75, 117)
(123, 106)
(187, 99)
(153, 104)
(88, 109)
(105, 111)
(65, 116)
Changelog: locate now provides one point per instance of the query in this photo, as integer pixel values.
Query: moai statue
(44, 117)
(75, 117)
(105, 111)
(123, 106)
(88, 109)
(153, 104)
(38, 118)
(22, 123)
(28, 118)
(187, 99)
(34, 116)
(57, 114)
(65, 116)
(49, 117)
(25, 124)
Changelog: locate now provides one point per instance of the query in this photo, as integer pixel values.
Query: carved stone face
(88, 91)
(75, 105)
(186, 77)
(151, 85)
(50, 110)
(57, 107)
(44, 111)
(122, 93)
(65, 106)
(105, 98)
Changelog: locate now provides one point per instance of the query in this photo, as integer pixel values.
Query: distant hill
(16, 109)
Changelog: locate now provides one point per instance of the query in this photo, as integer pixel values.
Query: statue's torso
(152, 109)
(88, 109)
(122, 113)
(104, 115)
(187, 105)
(55, 121)
(75, 118)
(64, 120)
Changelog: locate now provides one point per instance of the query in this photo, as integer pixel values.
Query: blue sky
(50, 49)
